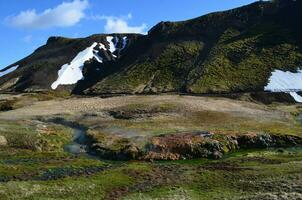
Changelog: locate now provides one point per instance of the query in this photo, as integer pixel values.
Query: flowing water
(300, 118)
(77, 146)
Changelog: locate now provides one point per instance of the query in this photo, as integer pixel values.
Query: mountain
(40, 70)
(224, 52)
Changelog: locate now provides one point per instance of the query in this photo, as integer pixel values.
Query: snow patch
(125, 41)
(281, 81)
(71, 73)
(102, 46)
(11, 69)
(112, 45)
(297, 97)
(288, 82)
(97, 57)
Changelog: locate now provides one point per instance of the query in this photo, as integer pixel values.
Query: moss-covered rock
(112, 147)
(185, 145)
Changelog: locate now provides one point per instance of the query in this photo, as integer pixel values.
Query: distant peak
(53, 39)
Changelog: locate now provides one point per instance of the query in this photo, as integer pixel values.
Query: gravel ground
(82, 105)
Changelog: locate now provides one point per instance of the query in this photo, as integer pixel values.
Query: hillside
(224, 52)
(39, 70)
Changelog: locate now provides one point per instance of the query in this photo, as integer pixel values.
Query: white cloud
(120, 24)
(63, 15)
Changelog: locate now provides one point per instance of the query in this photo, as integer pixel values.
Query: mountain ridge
(222, 52)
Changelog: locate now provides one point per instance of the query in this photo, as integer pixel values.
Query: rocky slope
(40, 70)
(224, 52)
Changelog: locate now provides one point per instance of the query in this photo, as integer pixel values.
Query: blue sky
(26, 24)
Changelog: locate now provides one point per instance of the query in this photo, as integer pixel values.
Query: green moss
(139, 166)
(237, 60)
(68, 188)
(244, 61)
(166, 72)
(168, 193)
(240, 175)
(34, 137)
(49, 95)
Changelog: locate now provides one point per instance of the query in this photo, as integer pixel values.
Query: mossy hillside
(165, 72)
(238, 51)
(243, 61)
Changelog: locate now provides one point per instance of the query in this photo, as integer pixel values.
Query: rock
(3, 141)
(132, 152)
(151, 156)
(187, 145)
(217, 155)
(268, 140)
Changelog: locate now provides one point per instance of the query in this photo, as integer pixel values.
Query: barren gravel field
(96, 104)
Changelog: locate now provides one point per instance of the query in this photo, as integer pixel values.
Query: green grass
(68, 188)
(35, 137)
(244, 61)
(239, 60)
(35, 151)
(246, 175)
(240, 174)
(165, 193)
(166, 72)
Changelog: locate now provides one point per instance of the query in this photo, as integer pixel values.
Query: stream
(78, 145)
(299, 117)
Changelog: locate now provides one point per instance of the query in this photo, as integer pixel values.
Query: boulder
(3, 141)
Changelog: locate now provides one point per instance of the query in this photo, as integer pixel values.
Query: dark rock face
(223, 52)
